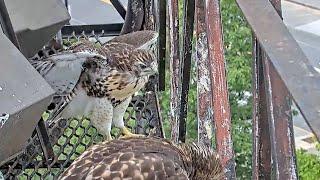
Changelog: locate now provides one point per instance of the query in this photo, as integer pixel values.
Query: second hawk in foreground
(145, 158)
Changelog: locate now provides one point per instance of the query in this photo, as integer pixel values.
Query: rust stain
(221, 106)
(261, 160)
(280, 121)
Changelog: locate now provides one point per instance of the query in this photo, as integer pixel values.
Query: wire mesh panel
(70, 138)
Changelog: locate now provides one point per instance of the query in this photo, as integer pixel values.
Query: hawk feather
(145, 158)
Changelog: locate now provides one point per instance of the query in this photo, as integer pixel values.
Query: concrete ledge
(314, 4)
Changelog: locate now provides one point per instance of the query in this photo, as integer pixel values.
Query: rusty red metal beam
(280, 119)
(221, 105)
(261, 159)
(174, 68)
(272, 108)
(280, 124)
(294, 68)
(204, 109)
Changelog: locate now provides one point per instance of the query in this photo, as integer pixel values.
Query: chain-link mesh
(69, 138)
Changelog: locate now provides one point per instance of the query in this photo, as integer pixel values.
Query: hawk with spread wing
(99, 81)
(145, 158)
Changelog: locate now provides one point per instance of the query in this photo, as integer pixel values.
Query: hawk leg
(118, 114)
(101, 117)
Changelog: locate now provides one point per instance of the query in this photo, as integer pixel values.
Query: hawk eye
(142, 66)
(97, 57)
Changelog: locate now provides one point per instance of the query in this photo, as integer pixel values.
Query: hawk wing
(86, 45)
(143, 158)
(139, 39)
(136, 40)
(62, 72)
(113, 50)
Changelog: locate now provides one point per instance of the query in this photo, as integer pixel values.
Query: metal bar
(151, 22)
(6, 24)
(66, 3)
(220, 100)
(45, 141)
(40, 128)
(151, 15)
(277, 5)
(205, 111)
(301, 79)
(162, 43)
(119, 7)
(280, 124)
(108, 29)
(280, 119)
(134, 16)
(174, 68)
(278, 104)
(261, 158)
(189, 9)
(152, 96)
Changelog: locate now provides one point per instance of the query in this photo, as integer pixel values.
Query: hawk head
(144, 63)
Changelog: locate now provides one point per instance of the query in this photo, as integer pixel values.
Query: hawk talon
(108, 137)
(126, 133)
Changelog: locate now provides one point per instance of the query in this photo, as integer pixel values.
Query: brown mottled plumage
(116, 79)
(145, 158)
(100, 84)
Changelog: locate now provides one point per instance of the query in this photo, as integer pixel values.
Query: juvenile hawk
(99, 88)
(145, 158)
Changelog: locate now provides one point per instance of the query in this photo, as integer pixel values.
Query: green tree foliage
(308, 165)
(238, 48)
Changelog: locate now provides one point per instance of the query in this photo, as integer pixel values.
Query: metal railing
(281, 73)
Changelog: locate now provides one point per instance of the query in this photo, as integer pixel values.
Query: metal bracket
(6, 25)
(119, 7)
(9, 32)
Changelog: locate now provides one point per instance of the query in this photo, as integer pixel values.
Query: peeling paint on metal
(204, 101)
(280, 123)
(220, 98)
(174, 68)
(202, 56)
(261, 137)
